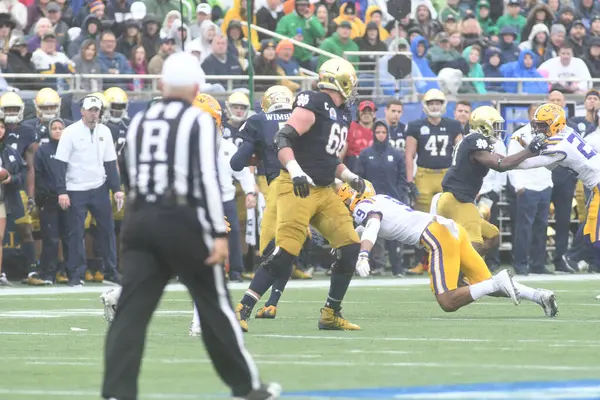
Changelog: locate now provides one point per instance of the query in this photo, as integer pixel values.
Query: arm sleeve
(112, 175)
(246, 180)
(242, 156)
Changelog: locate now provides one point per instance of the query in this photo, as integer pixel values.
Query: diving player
(449, 249)
(472, 159)
(309, 146)
(22, 138)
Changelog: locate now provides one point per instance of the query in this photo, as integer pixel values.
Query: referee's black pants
(157, 244)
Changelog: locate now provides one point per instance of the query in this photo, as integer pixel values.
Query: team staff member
(462, 113)
(53, 220)
(393, 112)
(10, 199)
(88, 163)
(175, 226)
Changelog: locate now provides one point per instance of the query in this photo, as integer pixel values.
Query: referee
(174, 226)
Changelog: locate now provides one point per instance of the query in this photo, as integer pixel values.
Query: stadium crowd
(481, 39)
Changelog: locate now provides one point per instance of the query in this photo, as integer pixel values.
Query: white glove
(362, 265)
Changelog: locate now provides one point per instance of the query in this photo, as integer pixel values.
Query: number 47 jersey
(318, 150)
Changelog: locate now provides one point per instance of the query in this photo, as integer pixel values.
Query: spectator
(111, 61)
(595, 29)
(418, 48)
(455, 40)
(587, 10)
(565, 66)
(592, 59)
(539, 43)
(491, 69)
(443, 55)
(472, 33)
(239, 12)
(167, 48)
(119, 11)
(268, 16)
(208, 31)
(333, 9)
(151, 35)
(540, 14)
(17, 12)
(508, 45)
(94, 7)
(6, 27)
(130, 38)
(86, 62)
(220, 62)
(348, 13)
(578, 39)
(42, 27)
(266, 64)
(485, 21)
(59, 27)
(360, 134)
(237, 44)
(49, 61)
(370, 42)
(165, 30)
(453, 10)
(554, 6)
(160, 8)
(422, 18)
(566, 16)
(512, 18)
(473, 54)
(181, 33)
(359, 5)
(523, 68)
(285, 59)
(326, 22)
(66, 12)
(450, 25)
(557, 38)
(374, 14)
(203, 13)
(338, 43)
(18, 61)
(89, 31)
(35, 11)
(139, 65)
(302, 26)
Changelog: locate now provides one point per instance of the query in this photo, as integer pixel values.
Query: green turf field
(52, 343)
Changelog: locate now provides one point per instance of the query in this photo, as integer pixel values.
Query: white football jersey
(572, 152)
(398, 221)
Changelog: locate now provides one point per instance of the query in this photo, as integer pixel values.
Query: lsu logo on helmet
(549, 119)
(209, 104)
(351, 198)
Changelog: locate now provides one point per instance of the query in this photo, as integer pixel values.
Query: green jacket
(333, 45)
(160, 8)
(518, 22)
(311, 30)
(475, 71)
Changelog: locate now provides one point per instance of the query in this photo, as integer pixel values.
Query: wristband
(364, 253)
(294, 168)
(348, 176)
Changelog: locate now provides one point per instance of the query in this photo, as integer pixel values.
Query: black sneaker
(269, 391)
(567, 265)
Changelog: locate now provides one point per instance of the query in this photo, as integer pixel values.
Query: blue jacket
(46, 172)
(212, 66)
(17, 168)
(423, 64)
(517, 70)
(510, 52)
(492, 72)
(383, 166)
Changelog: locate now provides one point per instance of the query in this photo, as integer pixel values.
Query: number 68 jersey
(318, 150)
(398, 221)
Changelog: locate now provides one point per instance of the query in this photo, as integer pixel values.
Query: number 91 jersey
(318, 150)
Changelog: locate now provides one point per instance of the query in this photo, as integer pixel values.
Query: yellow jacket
(358, 27)
(383, 34)
(235, 14)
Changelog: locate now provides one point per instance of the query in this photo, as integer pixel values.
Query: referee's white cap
(181, 69)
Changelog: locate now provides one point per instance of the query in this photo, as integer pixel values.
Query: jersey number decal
(153, 157)
(337, 139)
(455, 152)
(584, 148)
(432, 145)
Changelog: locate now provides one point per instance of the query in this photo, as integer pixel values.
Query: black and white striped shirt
(171, 158)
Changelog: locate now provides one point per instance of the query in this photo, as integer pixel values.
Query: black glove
(537, 144)
(301, 186)
(358, 184)
(413, 192)
(30, 204)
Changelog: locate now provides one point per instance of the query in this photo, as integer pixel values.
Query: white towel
(251, 227)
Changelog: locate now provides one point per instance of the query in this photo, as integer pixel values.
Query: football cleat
(89, 277)
(270, 391)
(61, 278)
(503, 283)
(242, 312)
(98, 277)
(195, 330)
(33, 279)
(110, 298)
(267, 312)
(548, 302)
(333, 320)
(420, 269)
(3, 280)
(299, 274)
(248, 276)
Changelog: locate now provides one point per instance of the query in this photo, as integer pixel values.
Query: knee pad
(346, 259)
(278, 261)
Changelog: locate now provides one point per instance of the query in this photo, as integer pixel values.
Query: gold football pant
(591, 223)
(323, 209)
(25, 219)
(449, 256)
(429, 183)
(581, 203)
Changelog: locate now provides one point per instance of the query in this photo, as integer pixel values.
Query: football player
(431, 141)
(471, 160)
(448, 245)
(22, 138)
(116, 115)
(309, 146)
(47, 104)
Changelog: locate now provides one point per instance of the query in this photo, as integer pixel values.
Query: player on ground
(309, 146)
(449, 247)
(471, 161)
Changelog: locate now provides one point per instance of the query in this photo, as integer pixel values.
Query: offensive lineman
(309, 146)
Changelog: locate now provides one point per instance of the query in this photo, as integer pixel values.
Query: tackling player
(309, 146)
(22, 138)
(473, 157)
(449, 247)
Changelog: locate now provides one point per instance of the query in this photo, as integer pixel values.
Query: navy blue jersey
(397, 139)
(465, 176)
(232, 133)
(581, 126)
(119, 133)
(434, 142)
(20, 137)
(318, 150)
(259, 130)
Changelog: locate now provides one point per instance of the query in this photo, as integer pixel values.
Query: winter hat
(95, 5)
(558, 28)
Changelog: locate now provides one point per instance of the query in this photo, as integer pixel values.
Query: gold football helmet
(339, 75)
(209, 104)
(238, 101)
(434, 111)
(277, 97)
(117, 103)
(487, 121)
(104, 111)
(47, 104)
(12, 107)
(549, 119)
(351, 198)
